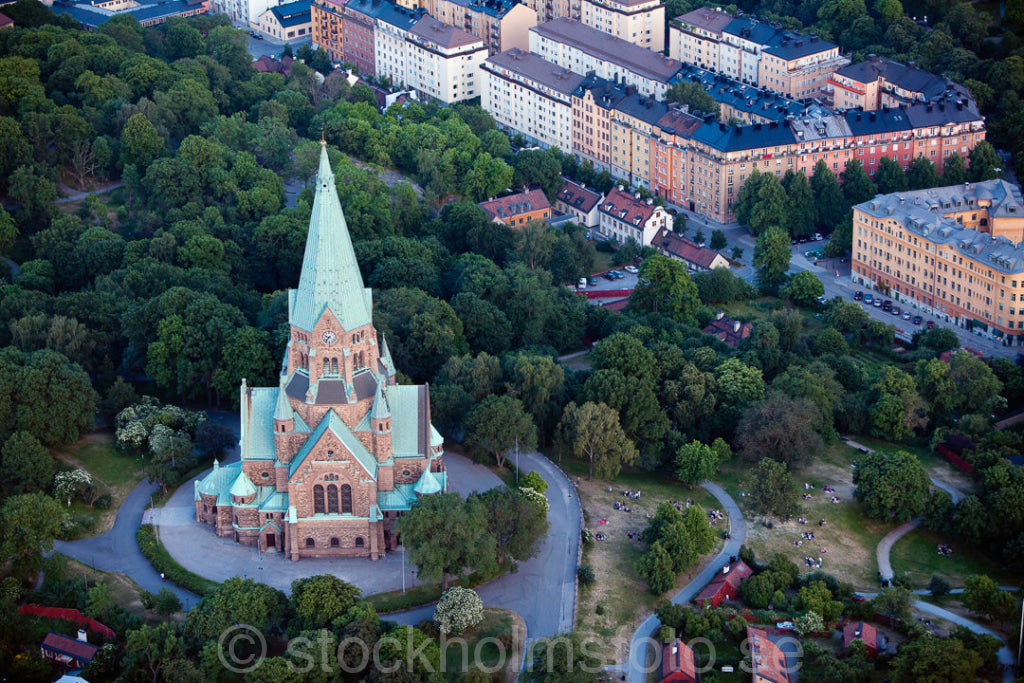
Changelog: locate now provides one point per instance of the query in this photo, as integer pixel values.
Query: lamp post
(403, 570)
(517, 461)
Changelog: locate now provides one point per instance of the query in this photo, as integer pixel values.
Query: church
(335, 453)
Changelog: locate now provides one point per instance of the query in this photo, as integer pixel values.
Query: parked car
(868, 298)
(616, 274)
(817, 237)
(582, 284)
(631, 269)
(591, 281)
(917, 320)
(877, 303)
(906, 315)
(886, 305)
(608, 275)
(930, 324)
(858, 296)
(896, 311)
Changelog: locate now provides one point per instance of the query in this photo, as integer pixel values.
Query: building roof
(921, 212)
(5, 20)
(792, 46)
(578, 196)
(605, 93)
(747, 98)
(388, 12)
(684, 249)
(748, 28)
(428, 484)
(535, 68)
(904, 76)
(292, 13)
(514, 205)
(706, 18)
(444, 35)
(860, 630)
(879, 121)
(627, 208)
(494, 8)
(738, 138)
(72, 647)
(337, 426)
(609, 48)
(732, 332)
(677, 656)
(766, 659)
(679, 122)
(640, 107)
(88, 15)
(243, 486)
(330, 276)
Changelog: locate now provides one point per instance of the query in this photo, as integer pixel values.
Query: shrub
(599, 609)
(102, 502)
(165, 564)
(667, 634)
(458, 609)
(166, 603)
(938, 586)
(532, 480)
(585, 574)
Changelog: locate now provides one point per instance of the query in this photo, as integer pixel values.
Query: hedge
(165, 564)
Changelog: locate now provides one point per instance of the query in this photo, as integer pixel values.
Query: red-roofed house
(767, 663)
(724, 586)
(72, 653)
(732, 332)
(858, 630)
(579, 201)
(677, 663)
(517, 210)
(623, 215)
(698, 259)
(6, 21)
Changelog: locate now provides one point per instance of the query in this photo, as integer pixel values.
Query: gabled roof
(732, 332)
(860, 630)
(516, 205)
(330, 275)
(677, 656)
(682, 248)
(5, 21)
(627, 208)
(578, 196)
(766, 659)
(72, 647)
(335, 424)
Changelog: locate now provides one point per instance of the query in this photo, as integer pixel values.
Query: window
(335, 543)
(332, 499)
(359, 541)
(346, 499)
(318, 499)
(310, 543)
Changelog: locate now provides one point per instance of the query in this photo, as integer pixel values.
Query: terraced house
(338, 450)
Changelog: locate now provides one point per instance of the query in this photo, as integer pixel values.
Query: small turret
(283, 414)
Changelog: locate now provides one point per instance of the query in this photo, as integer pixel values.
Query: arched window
(359, 541)
(334, 365)
(310, 543)
(327, 366)
(318, 499)
(346, 499)
(335, 543)
(332, 499)
(362, 359)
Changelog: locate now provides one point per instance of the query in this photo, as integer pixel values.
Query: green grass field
(479, 647)
(115, 474)
(916, 557)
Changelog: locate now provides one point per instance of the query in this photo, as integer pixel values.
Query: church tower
(338, 450)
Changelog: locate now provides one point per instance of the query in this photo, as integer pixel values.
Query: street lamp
(517, 461)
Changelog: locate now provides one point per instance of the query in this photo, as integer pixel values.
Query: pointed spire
(381, 410)
(283, 409)
(330, 275)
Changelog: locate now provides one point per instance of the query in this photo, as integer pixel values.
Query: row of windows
(332, 499)
(335, 543)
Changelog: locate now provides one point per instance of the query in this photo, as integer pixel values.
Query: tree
(593, 431)
(718, 240)
(934, 660)
(771, 257)
(769, 207)
(816, 597)
(533, 480)
(892, 486)
(236, 601)
(656, 568)
(322, 601)
(922, 174)
(954, 170)
(808, 623)
(628, 355)
(694, 96)
(938, 586)
(444, 535)
(983, 162)
(167, 603)
(31, 522)
(983, 596)
(804, 288)
(695, 463)
(516, 518)
(773, 489)
(458, 609)
(28, 465)
(150, 648)
(829, 205)
(498, 424)
(890, 176)
(538, 167)
(800, 202)
(664, 286)
(781, 428)
(857, 185)
(561, 659)
(141, 144)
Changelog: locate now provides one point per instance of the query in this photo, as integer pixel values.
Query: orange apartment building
(954, 251)
(517, 210)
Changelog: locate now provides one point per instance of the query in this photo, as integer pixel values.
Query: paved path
(71, 195)
(642, 656)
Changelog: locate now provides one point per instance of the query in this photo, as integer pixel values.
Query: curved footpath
(641, 655)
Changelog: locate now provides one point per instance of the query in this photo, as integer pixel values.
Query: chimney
(82, 636)
(736, 326)
(719, 315)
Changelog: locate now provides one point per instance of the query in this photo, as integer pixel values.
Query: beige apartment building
(502, 24)
(641, 22)
(623, 216)
(552, 9)
(880, 82)
(444, 61)
(955, 251)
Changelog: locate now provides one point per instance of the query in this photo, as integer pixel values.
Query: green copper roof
(330, 275)
(283, 409)
(427, 484)
(381, 410)
(242, 487)
(334, 423)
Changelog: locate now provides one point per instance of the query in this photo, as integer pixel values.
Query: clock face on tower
(329, 337)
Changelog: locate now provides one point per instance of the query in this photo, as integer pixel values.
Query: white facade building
(444, 61)
(641, 22)
(624, 216)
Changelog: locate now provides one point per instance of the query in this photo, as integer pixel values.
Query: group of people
(714, 516)
(835, 499)
(635, 495)
(633, 535)
(679, 506)
(622, 506)
(813, 563)
(944, 550)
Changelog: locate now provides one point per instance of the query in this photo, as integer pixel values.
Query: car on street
(930, 324)
(608, 275)
(877, 303)
(906, 315)
(886, 305)
(591, 281)
(582, 284)
(631, 269)
(858, 296)
(868, 298)
(917, 320)
(616, 274)
(896, 311)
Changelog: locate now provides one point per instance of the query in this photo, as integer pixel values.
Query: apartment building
(552, 9)
(767, 661)
(502, 24)
(284, 22)
(444, 61)
(955, 251)
(668, 153)
(529, 95)
(592, 103)
(634, 125)
(719, 158)
(517, 210)
(754, 52)
(641, 22)
(583, 49)
(622, 216)
(391, 27)
(326, 17)
(580, 202)
(745, 103)
(880, 82)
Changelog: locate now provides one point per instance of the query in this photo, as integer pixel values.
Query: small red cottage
(677, 663)
(72, 653)
(724, 586)
(858, 630)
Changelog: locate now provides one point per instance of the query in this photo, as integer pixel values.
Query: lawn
(123, 590)
(916, 557)
(610, 610)
(937, 467)
(484, 646)
(115, 474)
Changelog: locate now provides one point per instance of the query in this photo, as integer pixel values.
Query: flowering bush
(457, 610)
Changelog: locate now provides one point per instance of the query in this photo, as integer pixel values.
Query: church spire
(330, 275)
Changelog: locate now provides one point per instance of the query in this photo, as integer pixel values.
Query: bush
(599, 609)
(166, 603)
(148, 599)
(586, 536)
(102, 502)
(585, 574)
(938, 586)
(532, 480)
(458, 609)
(165, 564)
(667, 634)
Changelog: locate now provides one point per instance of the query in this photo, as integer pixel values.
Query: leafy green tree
(487, 177)
(800, 203)
(808, 623)
(695, 463)
(892, 486)
(692, 95)
(773, 489)
(769, 207)
(538, 167)
(857, 186)
(656, 568)
(499, 424)
(626, 354)
(236, 601)
(562, 658)
(781, 428)
(167, 603)
(592, 431)
(533, 480)
(934, 660)
(422, 331)
(246, 354)
(664, 286)
(922, 174)
(718, 240)
(322, 601)
(816, 597)
(804, 288)
(458, 610)
(151, 648)
(983, 596)
(771, 257)
(31, 522)
(55, 401)
(517, 518)
(954, 170)
(141, 144)
(829, 205)
(445, 535)
(890, 176)
(640, 415)
(983, 162)
(938, 586)
(29, 466)
(746, 198)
